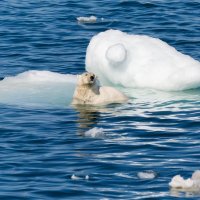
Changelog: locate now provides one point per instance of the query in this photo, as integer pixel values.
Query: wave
(38, 88)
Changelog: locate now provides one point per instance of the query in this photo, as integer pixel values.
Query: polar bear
(88, 91)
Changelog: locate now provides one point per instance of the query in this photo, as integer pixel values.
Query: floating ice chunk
(95, 132)
(74, 177)
(149, 174)
(90, 19)
(196, 175)
(38, 88)
(190, 184)
(179, 182)
(139, 61)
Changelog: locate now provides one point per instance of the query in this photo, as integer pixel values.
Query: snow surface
(38, 88)
(139, 61)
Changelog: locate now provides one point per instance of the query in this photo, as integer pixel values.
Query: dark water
(41, 148)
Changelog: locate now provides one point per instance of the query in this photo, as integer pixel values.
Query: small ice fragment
(94, 132)
(74, 177)
(190, 184)
(87, 177)
(146, 174)
(179, 182)
(87, 19)
(196, 175)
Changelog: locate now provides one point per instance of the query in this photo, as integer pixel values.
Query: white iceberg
(139, 61)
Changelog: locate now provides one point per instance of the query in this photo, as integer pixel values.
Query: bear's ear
(98, 82)
(96, 77)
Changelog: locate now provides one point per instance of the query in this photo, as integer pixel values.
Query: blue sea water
(51, 150)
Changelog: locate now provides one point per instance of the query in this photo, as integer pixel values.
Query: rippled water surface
(51, 150)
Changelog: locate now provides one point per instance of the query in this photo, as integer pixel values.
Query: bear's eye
(86, 74)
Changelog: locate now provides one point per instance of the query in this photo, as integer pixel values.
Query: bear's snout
(92, 77)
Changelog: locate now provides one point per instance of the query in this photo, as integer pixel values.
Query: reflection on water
(87, 117)
(183, 193)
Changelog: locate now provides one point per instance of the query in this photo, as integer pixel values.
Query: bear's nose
(91, 78)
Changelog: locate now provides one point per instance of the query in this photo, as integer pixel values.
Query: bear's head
(86, 78)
